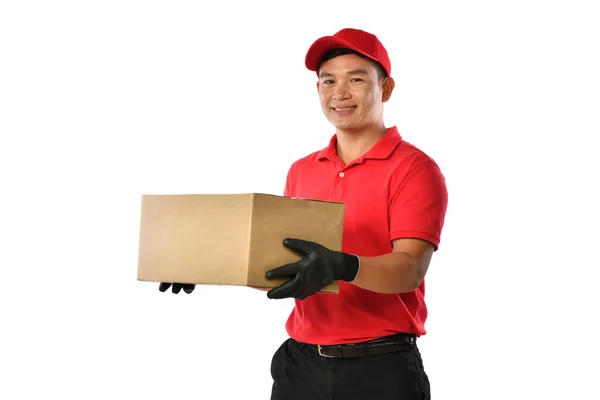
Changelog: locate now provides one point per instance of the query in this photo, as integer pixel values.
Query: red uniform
(394, 191)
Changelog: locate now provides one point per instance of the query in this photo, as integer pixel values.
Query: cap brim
(321, 46)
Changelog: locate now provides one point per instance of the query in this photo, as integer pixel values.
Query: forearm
(396, 272)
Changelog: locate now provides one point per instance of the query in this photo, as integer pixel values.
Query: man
(360, 343)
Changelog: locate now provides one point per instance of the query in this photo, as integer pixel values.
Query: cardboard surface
(230, 239)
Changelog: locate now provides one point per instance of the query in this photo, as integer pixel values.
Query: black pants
(300, 373)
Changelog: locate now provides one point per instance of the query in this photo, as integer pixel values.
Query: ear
(318, 86)
(387, 87)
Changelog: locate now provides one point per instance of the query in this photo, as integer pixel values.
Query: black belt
(384, 345)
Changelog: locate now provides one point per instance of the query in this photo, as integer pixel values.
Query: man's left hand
(318, 268)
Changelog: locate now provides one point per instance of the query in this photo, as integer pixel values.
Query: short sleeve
(418, 205)
(287, 191)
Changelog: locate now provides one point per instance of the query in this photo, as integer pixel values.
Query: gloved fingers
(285, 290)
(177, 287)
(164, 286)
(285, 271)
(188, 287)
(302, 246)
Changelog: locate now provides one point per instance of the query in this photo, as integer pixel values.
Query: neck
(352, 145)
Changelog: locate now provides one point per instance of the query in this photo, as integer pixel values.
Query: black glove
(318, 268)
(187, 287)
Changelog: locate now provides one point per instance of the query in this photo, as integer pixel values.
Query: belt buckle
(321, 353)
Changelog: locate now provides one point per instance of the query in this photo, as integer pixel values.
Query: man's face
(351, 93)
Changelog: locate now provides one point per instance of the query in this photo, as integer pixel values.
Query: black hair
(343, 51)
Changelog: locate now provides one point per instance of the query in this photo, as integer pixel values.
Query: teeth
(345, 109)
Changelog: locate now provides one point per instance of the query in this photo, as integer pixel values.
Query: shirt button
(341, 174)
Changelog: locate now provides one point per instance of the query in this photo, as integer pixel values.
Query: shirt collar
(380, 150)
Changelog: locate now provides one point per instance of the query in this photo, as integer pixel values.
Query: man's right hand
(187, 287)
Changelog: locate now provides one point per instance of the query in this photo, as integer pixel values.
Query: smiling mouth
(343, 109)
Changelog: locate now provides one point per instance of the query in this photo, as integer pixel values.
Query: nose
(340, 91)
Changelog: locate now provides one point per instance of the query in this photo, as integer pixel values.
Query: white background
(103, 101)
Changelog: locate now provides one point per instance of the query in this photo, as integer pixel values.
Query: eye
(328, 81)
(356, 80)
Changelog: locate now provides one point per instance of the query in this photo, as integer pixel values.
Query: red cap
(360, 41)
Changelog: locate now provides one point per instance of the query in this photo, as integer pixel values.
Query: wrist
(351, 267)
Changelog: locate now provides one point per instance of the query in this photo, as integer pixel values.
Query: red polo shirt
(394, 191)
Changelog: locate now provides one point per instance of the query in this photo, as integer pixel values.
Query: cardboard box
(230, 239)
